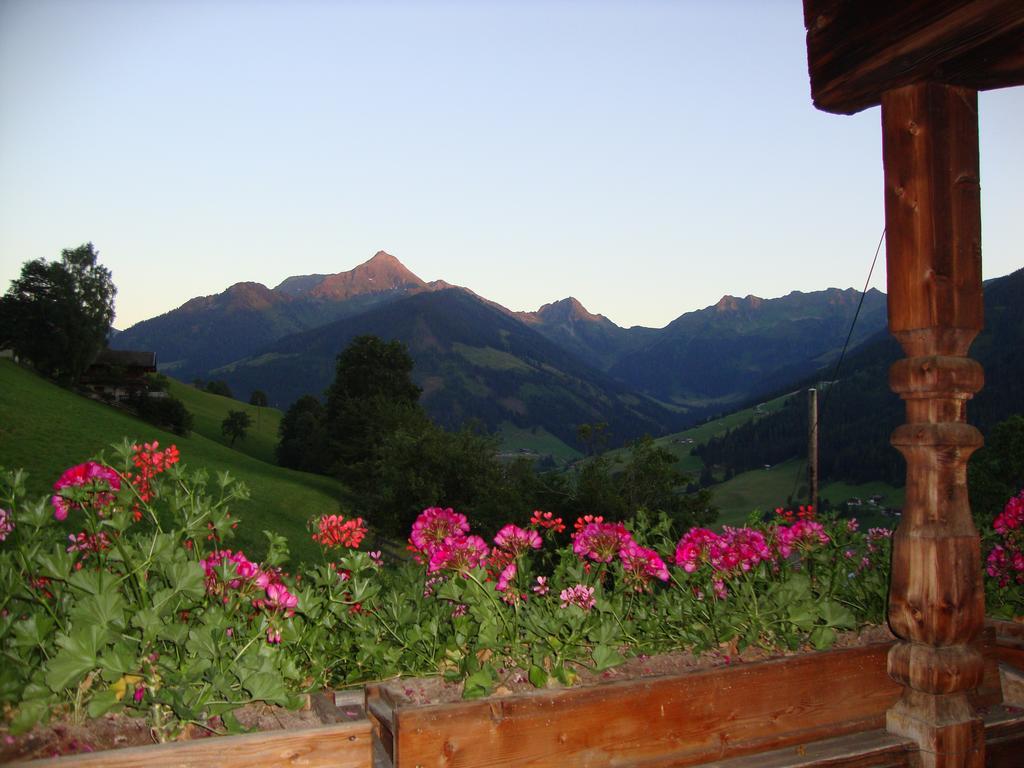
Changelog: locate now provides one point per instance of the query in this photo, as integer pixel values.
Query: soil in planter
(436, 690)
(63, 737)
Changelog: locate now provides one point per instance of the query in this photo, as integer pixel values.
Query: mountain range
(549, 370)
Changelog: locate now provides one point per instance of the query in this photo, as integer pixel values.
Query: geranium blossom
(600, 541)
(335, 531)
(1012, 516)
(459, 553)
(579, 595)
(695, 547)
(88, 542)
(507, 576)
(149, 462)
(642, 565)
(231, 569)
(517, 540)
(6, 524)
(548, 521)
(434, 526)
(803, 535)
(103, 481)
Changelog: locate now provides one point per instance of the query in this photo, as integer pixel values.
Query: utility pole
(812, 446)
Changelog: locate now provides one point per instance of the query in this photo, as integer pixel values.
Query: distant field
(766, 489)
(44, 429)
(210, 411)
(538, 440)
(677, 444)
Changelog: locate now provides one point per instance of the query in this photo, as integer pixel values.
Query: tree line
(372, 433)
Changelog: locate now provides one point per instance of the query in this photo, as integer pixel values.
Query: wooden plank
(858, 49)
(682, 720)
(870, 749)
(1004, 738)
(345, 745)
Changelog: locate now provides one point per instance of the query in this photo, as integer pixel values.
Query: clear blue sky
(646, 157)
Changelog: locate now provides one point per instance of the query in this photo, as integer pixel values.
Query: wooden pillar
(936, 599)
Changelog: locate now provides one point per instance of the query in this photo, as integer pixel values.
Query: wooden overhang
(923, 62)
(859, 49)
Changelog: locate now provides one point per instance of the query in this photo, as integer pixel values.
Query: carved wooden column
(936, 600)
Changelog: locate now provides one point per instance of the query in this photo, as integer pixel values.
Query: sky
(646, 157)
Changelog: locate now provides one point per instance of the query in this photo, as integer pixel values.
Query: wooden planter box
(679, 720)
(343, 744)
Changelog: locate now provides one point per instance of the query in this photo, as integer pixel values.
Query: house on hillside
(117, 374)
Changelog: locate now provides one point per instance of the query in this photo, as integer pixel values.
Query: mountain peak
(567, 309)
(380, 274)
(734, 304)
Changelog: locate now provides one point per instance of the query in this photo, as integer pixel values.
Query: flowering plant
(1004, 563)
(121, 593)
(117, 594)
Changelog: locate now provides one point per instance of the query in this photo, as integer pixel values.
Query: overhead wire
(802, 468)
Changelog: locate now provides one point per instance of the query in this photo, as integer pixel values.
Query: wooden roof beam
(858, 49)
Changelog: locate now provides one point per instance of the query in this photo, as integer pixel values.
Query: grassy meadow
(765, 489)
(210, 410)
(45, 429)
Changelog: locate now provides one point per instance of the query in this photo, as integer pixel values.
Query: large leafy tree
(372, 398)
(236, 426)
(302, 437)
(57, 314)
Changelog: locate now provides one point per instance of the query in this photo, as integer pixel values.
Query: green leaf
(175, 632)
(202, 643)
(105, 609)
(266, 686)
(103, 702)
(187, 579)
(823, 637)
(117, 661)
(55, 564)
(538, 677)
(29, 713)
(479, 684)
(33, 631)
(837, 615)
(76, 657)
(606, 657)
(90, 582)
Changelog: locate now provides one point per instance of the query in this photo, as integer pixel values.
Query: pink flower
(140, 691)
(86, 542)
(541, 587)
(1012, 516)
(279, 598)
(517, 540)
(273, 635)
(695, 547)
(803, 535)
(6, 524)
(600, 541)
(580, 595)
(741, 548)
(642, 565)
(508, 574)
(459, 553)
(434, 526)
(101, 480)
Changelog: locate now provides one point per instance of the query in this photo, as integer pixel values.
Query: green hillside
(45, 429)
(681, 443)
(766, 489)
(210, 411)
